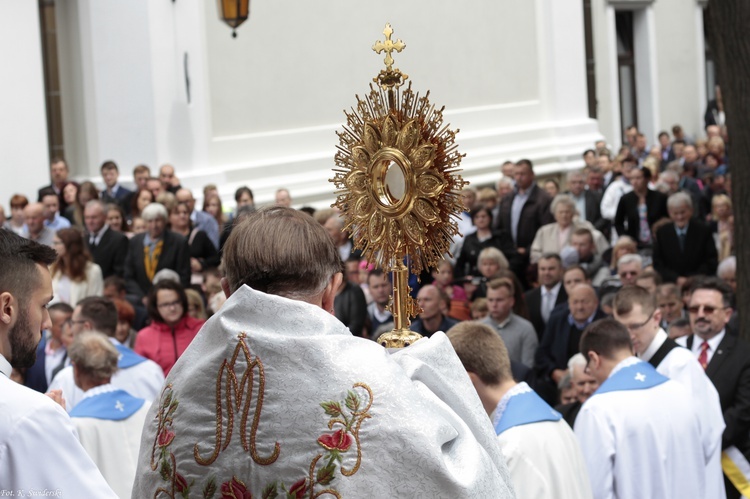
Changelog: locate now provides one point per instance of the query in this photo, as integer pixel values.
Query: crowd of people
(608, 297)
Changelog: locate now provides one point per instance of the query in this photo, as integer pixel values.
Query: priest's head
(485, 358)
(605, 343)
(94, 359)
(285, 252)
(635, 308)
(25, 292)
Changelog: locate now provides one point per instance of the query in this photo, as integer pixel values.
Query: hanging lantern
(234, 13)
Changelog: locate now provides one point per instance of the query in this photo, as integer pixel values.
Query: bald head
(185, 196)
(34, 216)
(583, 302)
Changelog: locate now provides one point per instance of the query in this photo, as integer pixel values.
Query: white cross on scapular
(119, 406)
(640, 377)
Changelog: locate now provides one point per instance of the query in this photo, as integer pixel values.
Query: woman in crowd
(141, 199)
(489, 264)
(74, 212)
(552, 187)
(212, 206)
(625, 245)
(443, 276)
(74, 275)
(125, 333)
(722, 224)
(484, 237)
(70, 193)
(171, 329)
(17, 222)
(116, 218)
(203, 254)
(196, 308)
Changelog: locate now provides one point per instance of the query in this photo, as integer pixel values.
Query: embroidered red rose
(339, 440)
(298, 489)
(165, 437)
(180, 484)
(235, 489)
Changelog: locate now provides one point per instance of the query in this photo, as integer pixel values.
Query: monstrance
(398, 184)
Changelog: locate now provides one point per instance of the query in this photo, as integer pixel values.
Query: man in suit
(684, 247)
(113, 192)
(549, 294)
(525, 210)
(587, 202)
(154, 250)
(201, 220)
(726, 359)
(108, 247)
(628, 218)
(59, 172)
(50, 353)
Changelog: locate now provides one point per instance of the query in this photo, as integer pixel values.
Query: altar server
(635, 308)
(39, 448)
(109, 420)
(639, 432)
(275, 397)
(136, 375)
(542, 453)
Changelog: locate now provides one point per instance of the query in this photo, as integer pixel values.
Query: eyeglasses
(707, 309)
(628, 274)
(635, 327)
(171, 304)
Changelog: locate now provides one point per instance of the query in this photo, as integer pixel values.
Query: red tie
(703, 357)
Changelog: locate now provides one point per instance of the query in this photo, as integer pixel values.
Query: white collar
(713, 343)
(5, 366)
(554, 291)
(518, 389)
(655, 345)
(98, 390)
(623, 364)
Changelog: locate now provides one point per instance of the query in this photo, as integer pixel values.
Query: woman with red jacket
(171, 329)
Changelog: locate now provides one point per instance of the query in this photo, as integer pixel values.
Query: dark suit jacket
(593, 211)
(60, 197)
(627, 211)
(123, 198)
(729, 371)
(699, 256)
(534, 302)
(110, 253)
(175, 255)
(35, 377)
(534, 214)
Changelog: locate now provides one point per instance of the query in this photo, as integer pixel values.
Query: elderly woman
(75, 276)
(483, 237)
(722, 224)
(490, 263)
(154, 250)
(552, 238)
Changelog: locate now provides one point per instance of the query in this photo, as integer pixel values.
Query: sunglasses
(707, 309)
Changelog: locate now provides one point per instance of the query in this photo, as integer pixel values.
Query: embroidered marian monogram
(242, 388)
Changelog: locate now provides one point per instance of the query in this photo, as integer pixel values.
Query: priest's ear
(8, 310)
(329, 294)
(225, 287)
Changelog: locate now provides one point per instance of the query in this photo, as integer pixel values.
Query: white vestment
(543, 457)
(681, 365)
(39, 449)
(143, 380)
(113, 443)
(641, 443)
(277, 395)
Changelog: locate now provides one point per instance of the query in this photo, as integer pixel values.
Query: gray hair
(506, 181)
(679, 199)
(670, 173)
(564, 199)
(630, 258)
(676, 167)
(94, 355)
(577, 360)
(495, 255)
(729, 264)
(565, 382)
(154, 211)
(575, 173)
(96, 202)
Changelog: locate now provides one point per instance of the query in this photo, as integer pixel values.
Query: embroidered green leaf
(332, 408)
(270, 491)
(352, 401)
(210, 488)
(167, 399)
(325, 475)
(165, 471)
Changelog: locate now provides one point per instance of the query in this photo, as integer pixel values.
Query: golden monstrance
(398, 184)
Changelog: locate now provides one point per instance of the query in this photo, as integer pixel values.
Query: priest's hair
(606, 337)
(481, 351)
(281, 251)
(630, 296)
(94, 355)
(19, 257)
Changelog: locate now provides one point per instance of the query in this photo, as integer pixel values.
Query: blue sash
(116, 406)
(525, 408)
(640, 376)
(128, 358)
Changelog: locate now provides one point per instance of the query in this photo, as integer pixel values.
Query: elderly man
(335, 227)
(323, 412)
(108, 247)
(542, 453)
(201, 220)
(727, 272)
(517, 333)
(726, 360)
(36, 230)
(137, 375)
(37, 440)
(154, 250)
(561, 338)
(629, 267)
(109, 420)
(589, 258)
(584, 385)
(52, 218)
(635, 308)
(686, 246)
(434, 315)
(168, 179)
(587, 201)
(634, 421)
(283, 198)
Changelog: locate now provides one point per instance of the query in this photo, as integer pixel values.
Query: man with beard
(39, 447)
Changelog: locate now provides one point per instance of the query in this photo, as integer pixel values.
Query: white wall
(23, 125)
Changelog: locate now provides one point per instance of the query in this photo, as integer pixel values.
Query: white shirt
(549, 297)
(611, 197)
(39, 446)
(713, 344)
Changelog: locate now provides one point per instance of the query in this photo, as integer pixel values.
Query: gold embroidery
(313, 495)
(233, 386)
